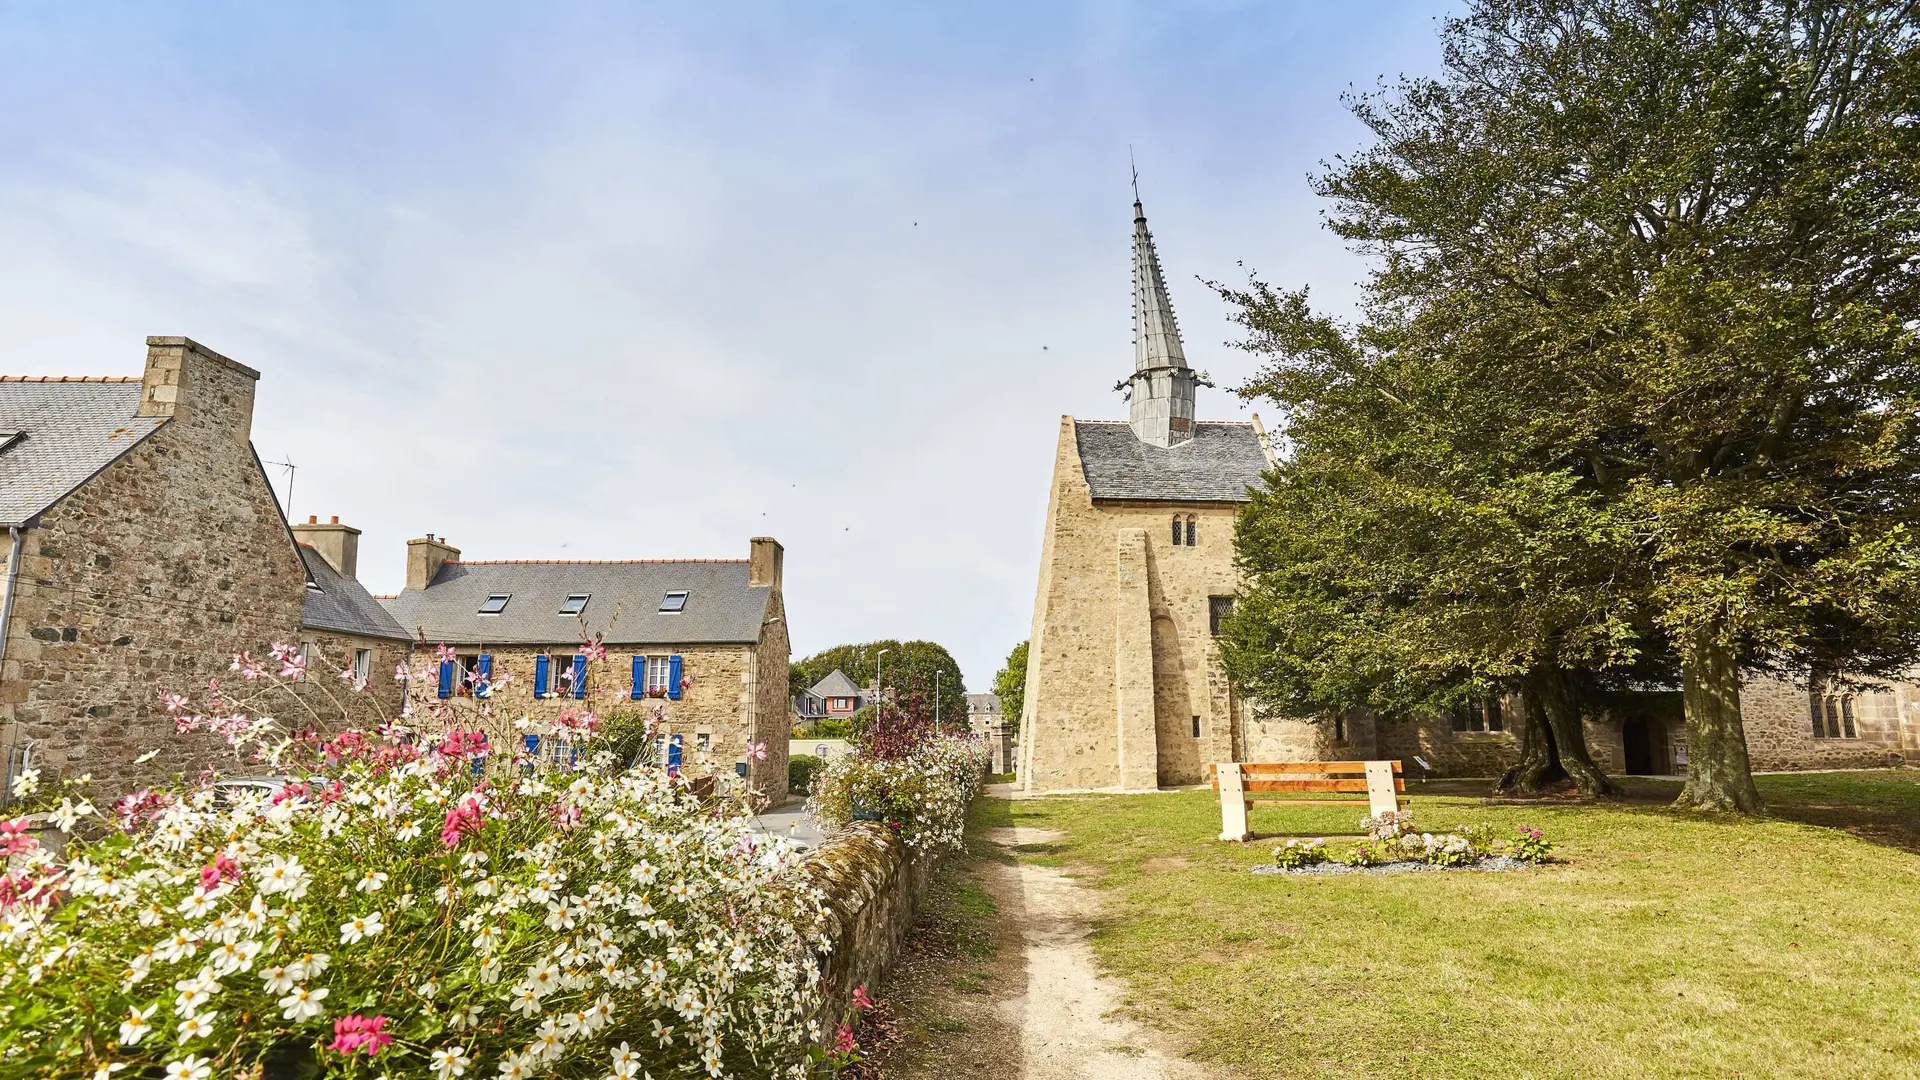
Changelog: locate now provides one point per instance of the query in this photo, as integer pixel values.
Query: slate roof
(835, 685)
(1218, 464)
(342, 604)
(69, 430)
(625, 603)
(983, 703)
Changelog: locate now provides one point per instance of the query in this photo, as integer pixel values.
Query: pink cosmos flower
(249, 668)
(860, 999)
(757, 751)
(222, 868)
(843, 1040)
(462, 820)
(445, 655)
(14, 839)
(357, 1032)
(173, 702)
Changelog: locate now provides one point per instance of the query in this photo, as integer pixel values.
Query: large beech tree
(1679, 240)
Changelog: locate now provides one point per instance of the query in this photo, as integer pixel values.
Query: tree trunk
(1539, 764)
(1719, 776)
(1549, 684)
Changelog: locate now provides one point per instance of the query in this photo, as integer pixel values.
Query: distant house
(832, 698)
(343, 628)
(985, 719)
(706, 637)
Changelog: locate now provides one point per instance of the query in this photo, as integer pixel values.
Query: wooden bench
(1377, 783)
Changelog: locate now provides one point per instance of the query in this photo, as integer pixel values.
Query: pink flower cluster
(14, 839)
(463, 820)
(356, 1032)
(139, 807)
(222, 868)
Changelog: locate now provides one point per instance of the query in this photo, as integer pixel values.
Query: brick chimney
(198, 387)
(338, 544)
(765, 562)
(425, 557)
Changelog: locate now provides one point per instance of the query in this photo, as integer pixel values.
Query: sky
(600, 281)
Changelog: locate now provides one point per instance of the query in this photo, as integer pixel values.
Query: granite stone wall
(873, 884)
(147, 578)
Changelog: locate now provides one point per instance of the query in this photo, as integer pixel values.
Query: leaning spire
(1161, 389)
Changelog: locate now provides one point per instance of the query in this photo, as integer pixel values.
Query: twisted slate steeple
(1161, 388)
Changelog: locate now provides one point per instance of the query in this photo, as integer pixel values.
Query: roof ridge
(581, 562)
(70, 378)
(1129, 423)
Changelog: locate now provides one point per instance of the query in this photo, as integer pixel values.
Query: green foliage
(1298, 854)
(1530, 845)
(800, 770)
(1636, 373)
(840, 727)
(1010, 684)
(626, 734)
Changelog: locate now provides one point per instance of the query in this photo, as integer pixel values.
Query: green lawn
(1664, 945)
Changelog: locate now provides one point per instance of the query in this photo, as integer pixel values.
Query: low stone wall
(873, 885)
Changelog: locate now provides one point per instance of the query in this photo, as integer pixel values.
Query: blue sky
(581, 280)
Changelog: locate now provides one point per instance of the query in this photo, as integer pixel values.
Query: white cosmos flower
(409, 831)
(525, 1001)
(105, 1072)
(517, 1067)
(278, 980)
(309, 966)
(447, 1062)
(190, 1068)
(625, 1062)
(302, 1003)
(371, 881)
(136, 1026)
(365, 926)
(195, 1026)
(548, 1042)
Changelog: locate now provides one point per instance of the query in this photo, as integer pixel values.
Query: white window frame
(659, 674)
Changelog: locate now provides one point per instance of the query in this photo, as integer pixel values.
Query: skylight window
(674, 601)
(575, 604)
(8, 438)
(495, 604)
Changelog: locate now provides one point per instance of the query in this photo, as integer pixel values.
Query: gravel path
(1066, 1014)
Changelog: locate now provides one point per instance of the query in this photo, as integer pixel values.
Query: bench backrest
(1328, 777)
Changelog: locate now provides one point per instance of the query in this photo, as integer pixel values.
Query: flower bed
(1395, 844)
(409, 907)
(922, 794)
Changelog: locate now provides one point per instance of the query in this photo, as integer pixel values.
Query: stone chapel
(1124, 685)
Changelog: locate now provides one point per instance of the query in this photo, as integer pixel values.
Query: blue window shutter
(673, 755)
(580, 675)
(483, 686)
(446, 678)
(673, 677)
(540, 676)
(639, 678)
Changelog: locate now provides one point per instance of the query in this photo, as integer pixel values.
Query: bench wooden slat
(1353, 786)
(1261, 768)
(1304, 802)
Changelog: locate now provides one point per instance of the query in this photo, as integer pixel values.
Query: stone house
(144, 548)
(832, 698)
(706, 638)
(344, 629)
(985, 719)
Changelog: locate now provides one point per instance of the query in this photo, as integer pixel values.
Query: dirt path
(1065, 1013)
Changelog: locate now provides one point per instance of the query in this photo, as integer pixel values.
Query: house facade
(144, 547)
(705, 638)
(832, 698)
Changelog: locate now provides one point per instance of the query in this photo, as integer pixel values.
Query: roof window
(674, 601)
(495, 604)
(8, 438)
(576, 603)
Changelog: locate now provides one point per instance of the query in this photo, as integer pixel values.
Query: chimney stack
(196, 387)
(765, 562)
(425, 557)
(338, 544)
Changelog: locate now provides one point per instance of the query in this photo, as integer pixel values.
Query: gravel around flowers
(1496, 862)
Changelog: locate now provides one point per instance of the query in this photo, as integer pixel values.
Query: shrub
(923, 794)
(1451, 849)
(419, 899)
(800, 770)
(1479, 838)
(1295, 854)
(1369, 853)
(1530, 845)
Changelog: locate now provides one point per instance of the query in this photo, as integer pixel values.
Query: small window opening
(495, 604)
(1196, 727)
(1176, 530)
(674, 601)
(1218, 608)
(1193, 527)
(576, 603)
(362, 665)
(1339, 728)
